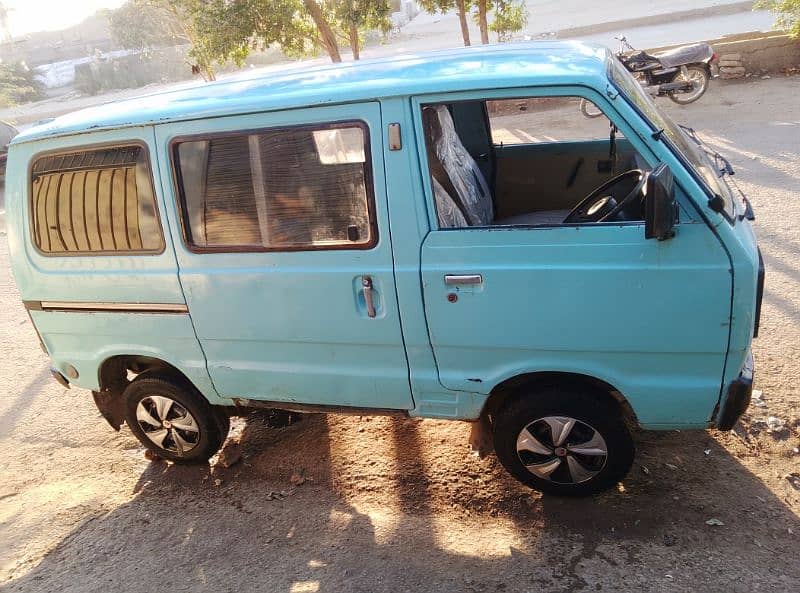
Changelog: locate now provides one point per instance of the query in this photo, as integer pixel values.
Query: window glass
(295, 188)
(95, 201)
(686, 147)
(561, 153)
(539, 120)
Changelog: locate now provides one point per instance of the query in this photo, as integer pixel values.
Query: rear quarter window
(94, 201)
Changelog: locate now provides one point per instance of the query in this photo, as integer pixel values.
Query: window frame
(185, 225)
(556, 90)
(89, 148)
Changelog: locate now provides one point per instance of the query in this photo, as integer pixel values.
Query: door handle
(366, 283)
(452, 279)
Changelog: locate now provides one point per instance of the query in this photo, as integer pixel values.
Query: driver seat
(461, 193)
(458, 181)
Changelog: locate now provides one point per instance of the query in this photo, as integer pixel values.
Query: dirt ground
(401, 505)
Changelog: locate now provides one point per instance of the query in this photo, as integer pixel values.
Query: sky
(27, 16)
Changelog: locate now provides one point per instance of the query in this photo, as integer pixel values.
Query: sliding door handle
(454, 279)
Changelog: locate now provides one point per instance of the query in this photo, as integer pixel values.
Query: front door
(286, 258)
(535, 294)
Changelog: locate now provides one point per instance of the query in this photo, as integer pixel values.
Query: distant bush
(788, 12)
(18, 84)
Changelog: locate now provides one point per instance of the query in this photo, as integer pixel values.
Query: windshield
(709, 174)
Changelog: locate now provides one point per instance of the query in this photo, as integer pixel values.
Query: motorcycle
(682, 74)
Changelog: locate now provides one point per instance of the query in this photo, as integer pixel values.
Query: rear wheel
(173, 420)
(563, 441)
(699, 78)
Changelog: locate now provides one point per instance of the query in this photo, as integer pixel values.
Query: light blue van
(442, 235)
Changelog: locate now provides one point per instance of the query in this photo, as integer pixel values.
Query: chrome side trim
(83, 307)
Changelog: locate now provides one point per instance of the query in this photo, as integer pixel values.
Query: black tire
(684, 98)
(591, 410)
(211, 424)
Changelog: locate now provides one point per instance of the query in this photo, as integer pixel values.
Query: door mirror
(660, 207)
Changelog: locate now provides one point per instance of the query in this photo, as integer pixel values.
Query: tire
(172, 419)
(700, 75)
(561, 469)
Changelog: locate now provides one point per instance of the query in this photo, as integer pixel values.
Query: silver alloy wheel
(167, 424)
(698, 80)
(562, 450)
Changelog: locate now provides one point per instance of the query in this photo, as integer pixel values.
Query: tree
(148, 24)
(483, 7)
(442, 6)
(510, 16)
(355, 16)
(788, 14)
(327, 38)
(299, 27)
(18, 84)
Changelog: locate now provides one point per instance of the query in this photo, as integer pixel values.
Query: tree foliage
(148, 24)
(354, 17)
(788, 14)
(18, 84)
(510, 16)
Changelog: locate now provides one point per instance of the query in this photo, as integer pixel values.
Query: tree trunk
(462, 17)
(354, 42)
(326, 35)
(482, 21)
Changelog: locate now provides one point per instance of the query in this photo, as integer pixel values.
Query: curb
(655, 19)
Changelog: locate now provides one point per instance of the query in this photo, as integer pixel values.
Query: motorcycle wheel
(588, 109)
(699, 78)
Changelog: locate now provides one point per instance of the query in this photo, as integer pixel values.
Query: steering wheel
(601, 206)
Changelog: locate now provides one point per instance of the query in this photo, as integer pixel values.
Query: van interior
(530, 162)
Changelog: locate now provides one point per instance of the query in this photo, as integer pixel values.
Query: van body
(440, 235)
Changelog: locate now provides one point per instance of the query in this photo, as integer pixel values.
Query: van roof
(493, 66)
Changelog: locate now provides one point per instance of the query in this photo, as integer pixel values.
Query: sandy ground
(401, 505)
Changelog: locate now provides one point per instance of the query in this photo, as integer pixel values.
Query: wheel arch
(117, 371)
(513, 386)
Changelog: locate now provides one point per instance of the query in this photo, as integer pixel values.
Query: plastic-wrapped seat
(460, 191)
(461, 185)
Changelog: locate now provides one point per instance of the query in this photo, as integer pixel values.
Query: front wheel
(563, 441)
(699, 78)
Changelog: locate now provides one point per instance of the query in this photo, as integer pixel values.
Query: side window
(541, 120)
(95, 201)
(278, 189)
(545, 161)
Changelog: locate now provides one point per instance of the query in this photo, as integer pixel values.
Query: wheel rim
(562, 450)
(167, 424)
(698, 81)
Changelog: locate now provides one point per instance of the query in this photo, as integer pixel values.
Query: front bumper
(737, 398)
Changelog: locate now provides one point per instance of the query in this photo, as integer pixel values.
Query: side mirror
(660, 207)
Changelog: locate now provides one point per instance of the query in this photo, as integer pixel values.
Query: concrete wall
(759, 51)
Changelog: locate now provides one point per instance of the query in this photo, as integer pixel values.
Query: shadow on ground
(379, 512)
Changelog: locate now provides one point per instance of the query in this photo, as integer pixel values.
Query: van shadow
(399, 506)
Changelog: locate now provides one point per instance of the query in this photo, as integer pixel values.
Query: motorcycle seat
(687, 54)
